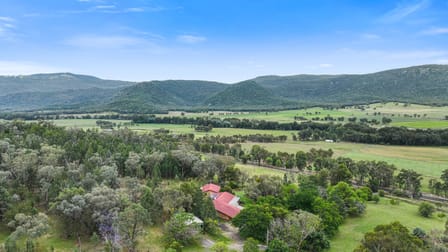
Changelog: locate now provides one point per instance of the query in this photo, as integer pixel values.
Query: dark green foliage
(390, 237)
(277, 246)
(253, 221)
(345, 197)
(180, 229)
(419, 84)
(304, 197)
(329, 214)
(426, 209)
(246, 95)
(250, 245)
(316, 242)
(410, 181)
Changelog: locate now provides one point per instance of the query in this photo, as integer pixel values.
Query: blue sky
(223, 40)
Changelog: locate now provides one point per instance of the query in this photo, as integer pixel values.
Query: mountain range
(426, 84)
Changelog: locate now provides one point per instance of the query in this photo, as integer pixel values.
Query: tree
(29, 226)
(409, 180)
(70, 206)
(304, 197)
(331, 219)
(277, 245)
(219, 247)
(4, 201)
(390, 237)
(426, 209)
(301, 160)
(181, 228)
(340, 173)
(294, 229)
(346, 199)
(263, 185)
(253, 221)
(258, 153)
(250, 245)
(131, 223)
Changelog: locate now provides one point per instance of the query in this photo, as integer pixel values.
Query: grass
(401, 114)
(152, 241)
(253, 170)
(423, 124)
(429, 161)
(352, 230)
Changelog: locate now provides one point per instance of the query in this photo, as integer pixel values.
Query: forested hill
(427, 84)
(54, 83)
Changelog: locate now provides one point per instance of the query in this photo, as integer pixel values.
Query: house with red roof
(226, 204)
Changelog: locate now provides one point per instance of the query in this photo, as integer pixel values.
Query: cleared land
(429, 161)
(407, 115)
(352, 230)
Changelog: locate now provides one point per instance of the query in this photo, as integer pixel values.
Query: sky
(220, 40)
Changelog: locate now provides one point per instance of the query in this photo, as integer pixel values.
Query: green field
(174, 128)
(429, 161)
(352, 230)
(407, 115)
(253, 170)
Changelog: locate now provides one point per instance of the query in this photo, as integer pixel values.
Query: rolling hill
(426, 84)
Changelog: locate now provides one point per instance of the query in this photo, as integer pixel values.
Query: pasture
(407, 115)
(352, 230)
(429, 161)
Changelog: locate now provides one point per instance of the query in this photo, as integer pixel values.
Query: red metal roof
(225, 197)
(211, 188)
(225, 208)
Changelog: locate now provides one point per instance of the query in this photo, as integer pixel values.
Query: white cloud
(104, 7)
(370, 36)
(404, 9)
(105, 42)
(7, 28)
(191, 39)
(442, 61)
(26, 67)
(7, 19)
(135, 9)
(436, 31)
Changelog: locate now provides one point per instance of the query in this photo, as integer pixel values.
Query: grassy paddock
(429, 161)
(352, 230)
(401, 114)
(253, 170)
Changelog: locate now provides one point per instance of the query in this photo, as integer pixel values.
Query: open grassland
(352, 230)
(407, 115)
(174, 128)
(429, 161)
(253, 170)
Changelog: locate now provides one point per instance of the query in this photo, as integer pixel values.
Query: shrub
(441, 215)
(250, 245)
(219, 247)
(381, 193)
(426, 209)
(375, 198)
(394, 202)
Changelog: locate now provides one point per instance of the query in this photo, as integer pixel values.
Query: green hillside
(171, 94)
(54, 82)
(245, 95)
(427, 84)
